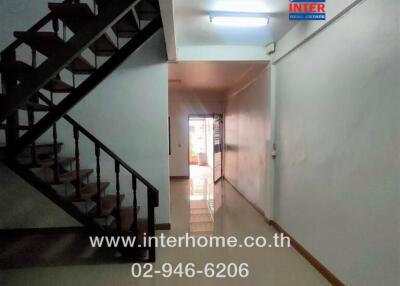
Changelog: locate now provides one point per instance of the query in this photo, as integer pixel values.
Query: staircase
(72, 50)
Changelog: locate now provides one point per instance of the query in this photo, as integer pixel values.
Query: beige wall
(247, 138)
(181, 105)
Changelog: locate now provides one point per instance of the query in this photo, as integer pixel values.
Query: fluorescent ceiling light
(234, 19)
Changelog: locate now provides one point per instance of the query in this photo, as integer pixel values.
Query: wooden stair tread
(20, 70)
(48, 43)
(41, 150)
(126, 215)
(147, 10)
(127, 219)
(71, 176)
(37, 107)
(48, 145)
(108, 205)
(127, 27)
(75, 16)
(61, 161)
(90, 190)
(58, 86)
(104, 46)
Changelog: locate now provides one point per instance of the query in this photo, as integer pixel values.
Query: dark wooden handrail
(103, 147)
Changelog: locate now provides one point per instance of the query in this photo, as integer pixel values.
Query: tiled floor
(223, 212)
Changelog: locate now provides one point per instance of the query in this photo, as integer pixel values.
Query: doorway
(205, 169)
(205, 146)
(201, 160)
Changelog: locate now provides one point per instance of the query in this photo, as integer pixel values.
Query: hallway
(235, 216)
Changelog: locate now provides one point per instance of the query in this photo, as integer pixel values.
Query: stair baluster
(117, 34)
(135, 221)
(31, 115)
(117, 169)
(73, 80)
(56, 167)
(64, 32)
(31, 122)
(77, 163)
(98, 199)
(151, 203)
(55, 24)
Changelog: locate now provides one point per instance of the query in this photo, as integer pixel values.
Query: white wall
(247, 139)
(338, 137)
(181, 105)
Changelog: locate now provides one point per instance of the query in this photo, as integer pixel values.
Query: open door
(218, 136)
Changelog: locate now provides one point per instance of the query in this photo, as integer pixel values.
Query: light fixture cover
(237, 19)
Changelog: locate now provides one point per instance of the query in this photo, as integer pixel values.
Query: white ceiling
(193, 28)
(210, 76)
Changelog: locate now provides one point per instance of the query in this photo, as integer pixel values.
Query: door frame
(205, 115)
(222, 143)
